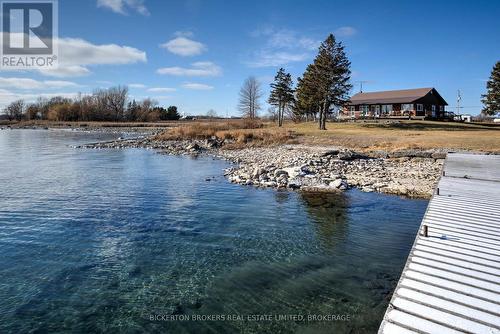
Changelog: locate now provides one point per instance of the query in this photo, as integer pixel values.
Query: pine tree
(491, 99)
(329, 75)
(307, 92)
(282, 93)
(173, 113)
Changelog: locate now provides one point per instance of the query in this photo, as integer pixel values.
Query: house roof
(394, 96)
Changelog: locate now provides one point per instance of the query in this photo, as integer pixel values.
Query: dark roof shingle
(390, 96)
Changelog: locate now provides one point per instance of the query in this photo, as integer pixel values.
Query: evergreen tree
(308, 95)
(327, 79)
(282, 93)
(491, 99)
(133, 111)
(172, 113)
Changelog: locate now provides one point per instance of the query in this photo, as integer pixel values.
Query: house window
(406, 107)
(441, 108)
(377, 110)
(420, 107)
(363, 109)
(433, 108)
(386, 108)
(352, 109)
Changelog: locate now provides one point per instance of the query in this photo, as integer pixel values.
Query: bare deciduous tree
(102, 105)
(250, 95)
(111, 102)
(15, 110)
(117, 97)
(145, 108)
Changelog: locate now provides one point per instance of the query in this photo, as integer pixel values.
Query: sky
(196, 54)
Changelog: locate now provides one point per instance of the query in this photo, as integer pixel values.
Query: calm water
(100, 240)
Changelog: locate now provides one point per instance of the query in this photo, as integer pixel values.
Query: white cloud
(75, 51)
(288, 39)
(281, 47)
(161, 90)
(184, 46)
(65, 71)
(197, 86)
(345, 31)
(7, 96)
(121, 6)
(137, 85)
(76, 54)
(267, 58)
(200, 69)
(26, 83)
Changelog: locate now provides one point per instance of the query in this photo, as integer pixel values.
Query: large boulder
(349, 155)
(294, 184)
(292, 171)
(330, 153)
(193, 147)
(258, 171)
(279, 172)
(339, 184)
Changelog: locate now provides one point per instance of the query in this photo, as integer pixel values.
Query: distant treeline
(110, 104)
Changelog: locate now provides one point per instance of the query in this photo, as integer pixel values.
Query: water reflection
(328, 214)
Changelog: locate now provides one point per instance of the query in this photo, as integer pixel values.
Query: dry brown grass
(238, 133)
(397, 135)
(365, 136)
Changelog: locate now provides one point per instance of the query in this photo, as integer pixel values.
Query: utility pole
(459, 98)
(361, 85)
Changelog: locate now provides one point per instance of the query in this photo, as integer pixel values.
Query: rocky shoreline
(412, 173)
(320, 169)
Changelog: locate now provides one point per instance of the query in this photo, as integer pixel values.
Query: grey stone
(279, 172)
(337, 183)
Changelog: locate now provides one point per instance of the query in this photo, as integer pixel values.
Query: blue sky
(195, 54)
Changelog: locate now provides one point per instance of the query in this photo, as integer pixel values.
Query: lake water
(121, 240)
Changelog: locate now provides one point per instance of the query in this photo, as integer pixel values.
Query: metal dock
(451, 280)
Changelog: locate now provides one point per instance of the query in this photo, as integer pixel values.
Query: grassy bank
(396, 135)
(240, 133)
(366, 136)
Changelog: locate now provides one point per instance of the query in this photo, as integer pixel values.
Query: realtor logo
(29, 30)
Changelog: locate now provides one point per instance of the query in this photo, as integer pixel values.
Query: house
(416, 103)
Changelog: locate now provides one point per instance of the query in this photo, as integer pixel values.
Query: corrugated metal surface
(451, 281)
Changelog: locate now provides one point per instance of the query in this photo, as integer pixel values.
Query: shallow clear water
(101, 240)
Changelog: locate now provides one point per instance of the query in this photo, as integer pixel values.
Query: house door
(420, 110)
